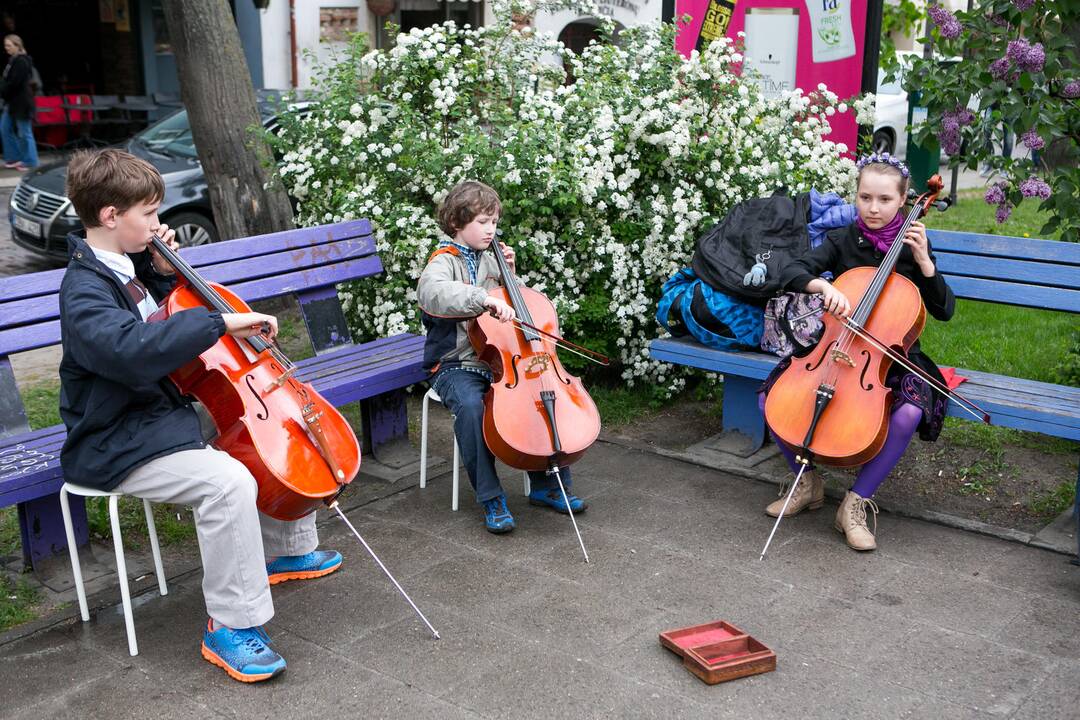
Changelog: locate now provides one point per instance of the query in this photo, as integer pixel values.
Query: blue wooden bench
(1007, 270)
(308, 263)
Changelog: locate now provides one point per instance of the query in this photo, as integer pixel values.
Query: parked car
(41, 216)
(890, 126)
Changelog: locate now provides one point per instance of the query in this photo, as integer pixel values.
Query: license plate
(28, 226)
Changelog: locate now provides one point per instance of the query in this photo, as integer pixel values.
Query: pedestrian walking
(16, 123)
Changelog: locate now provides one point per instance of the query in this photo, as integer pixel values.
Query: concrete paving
(938, 623)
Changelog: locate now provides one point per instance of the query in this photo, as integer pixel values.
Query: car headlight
(69, 211)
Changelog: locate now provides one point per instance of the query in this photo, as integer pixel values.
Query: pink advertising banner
(793, 43)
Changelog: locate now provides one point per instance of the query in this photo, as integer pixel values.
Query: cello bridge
(839, 356)
(279, 380)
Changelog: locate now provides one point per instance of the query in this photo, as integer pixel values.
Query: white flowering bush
(605, 182)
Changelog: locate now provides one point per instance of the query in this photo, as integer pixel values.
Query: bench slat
(1020, 294)
(44, 283)
(43, 334)
(1011, 402)
(1022, 271)
(47, 307)
(355, 373)
(1004, 247)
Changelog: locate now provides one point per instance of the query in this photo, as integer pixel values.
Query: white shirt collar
(119, 263)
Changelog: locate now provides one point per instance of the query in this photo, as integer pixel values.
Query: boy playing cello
(130, 429)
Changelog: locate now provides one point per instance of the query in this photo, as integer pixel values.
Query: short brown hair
(464, 202)
(97, 179)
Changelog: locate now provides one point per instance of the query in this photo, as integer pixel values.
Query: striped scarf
(470, 256)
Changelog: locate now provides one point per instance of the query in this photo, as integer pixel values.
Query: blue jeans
(462, 392)
(18, 140)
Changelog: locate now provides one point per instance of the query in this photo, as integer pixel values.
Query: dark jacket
(846, 248)
(15, 87)
(119, 406)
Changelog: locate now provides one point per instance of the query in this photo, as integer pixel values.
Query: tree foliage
(1019, 73)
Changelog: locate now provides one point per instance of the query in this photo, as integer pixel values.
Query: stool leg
(121, 569)
(528, 483)
(457, 475)
(151, 528)
(423, 441)
(73, 550)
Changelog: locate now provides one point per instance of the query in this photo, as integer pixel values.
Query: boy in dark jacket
(130, 429)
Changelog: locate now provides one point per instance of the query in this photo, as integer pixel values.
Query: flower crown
(883, 159)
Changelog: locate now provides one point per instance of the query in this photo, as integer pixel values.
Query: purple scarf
(883, 237)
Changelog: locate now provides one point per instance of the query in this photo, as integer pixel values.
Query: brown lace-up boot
(810, 494)
(851, 521)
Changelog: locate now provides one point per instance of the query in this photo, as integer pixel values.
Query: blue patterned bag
(713, 318)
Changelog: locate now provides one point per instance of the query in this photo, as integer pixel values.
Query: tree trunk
(216, 89)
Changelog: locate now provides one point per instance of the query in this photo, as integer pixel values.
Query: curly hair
(464, 202)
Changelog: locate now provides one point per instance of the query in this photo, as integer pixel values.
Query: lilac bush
(1020, 73)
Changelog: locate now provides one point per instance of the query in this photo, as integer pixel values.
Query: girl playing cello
(881, 191)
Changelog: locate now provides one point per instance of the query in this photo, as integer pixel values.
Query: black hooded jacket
(119, 406)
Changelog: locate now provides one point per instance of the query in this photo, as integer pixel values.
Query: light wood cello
(537, 416)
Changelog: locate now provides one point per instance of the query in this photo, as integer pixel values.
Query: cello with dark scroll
(833, 404)
(537, 416)
(299, 448)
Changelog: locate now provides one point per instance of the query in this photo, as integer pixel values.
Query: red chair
(50, 121)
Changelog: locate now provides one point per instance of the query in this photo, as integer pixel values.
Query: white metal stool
(432, 395)
(118, 545)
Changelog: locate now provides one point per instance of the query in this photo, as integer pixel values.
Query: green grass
(1019, 342)
(17, 601)
(972, 214)
(1053, 503)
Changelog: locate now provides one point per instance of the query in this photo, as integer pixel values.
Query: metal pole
(562, 488)
(434, 632)
(783, 510)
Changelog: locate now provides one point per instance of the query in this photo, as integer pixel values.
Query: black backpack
(743, 254)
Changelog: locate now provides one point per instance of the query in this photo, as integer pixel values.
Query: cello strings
(215, 299)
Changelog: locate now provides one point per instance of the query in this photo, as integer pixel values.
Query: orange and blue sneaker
(303, 567)
(244, 654)
(553, 498)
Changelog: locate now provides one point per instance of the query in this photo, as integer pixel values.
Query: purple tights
(902, 426)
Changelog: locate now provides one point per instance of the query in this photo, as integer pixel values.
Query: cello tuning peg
(912, 193)
(942, 205)
(498, 232)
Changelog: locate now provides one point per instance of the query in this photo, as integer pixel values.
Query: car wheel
(883, 142)
(192, 229)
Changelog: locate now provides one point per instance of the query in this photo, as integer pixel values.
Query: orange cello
(537, 416)
(833, 404)
(299, 448)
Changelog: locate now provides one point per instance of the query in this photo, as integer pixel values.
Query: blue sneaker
(303, 567)
(553, 499)
(244, 654)
(497, 517)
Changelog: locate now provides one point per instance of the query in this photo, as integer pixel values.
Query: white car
(890, 125)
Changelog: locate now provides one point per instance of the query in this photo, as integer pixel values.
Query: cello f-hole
(866, 366)
(513, 366)
(249, 379)
(564, 381)
(821, 359)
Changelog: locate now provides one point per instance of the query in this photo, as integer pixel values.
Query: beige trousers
(235, 539)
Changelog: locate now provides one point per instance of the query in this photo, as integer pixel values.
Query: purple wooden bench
(307, 262)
